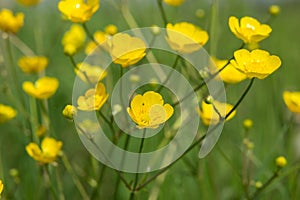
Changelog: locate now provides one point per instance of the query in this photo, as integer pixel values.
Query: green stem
(49, 182)
(108, 122)
(89, 33)
(34, 119)
(162, 12)
(95, 192)
(59, 185)
(77, 68)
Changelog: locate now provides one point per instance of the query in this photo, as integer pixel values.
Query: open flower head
(43, 88)
(148, 110)
(209, 115)
(6, 113)
(1, 186)
(93, 99)
(89, 73)
(28, 2)
(126, 50)
(73, 39)
(249, 29)
(255, 64)
(50, 149)
(292, 101)
(9, 22)
(33, 64)
(185, 37)
(78, 10)
(174, 2)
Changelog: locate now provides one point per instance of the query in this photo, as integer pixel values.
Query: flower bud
(69, 111)
(274, 10)
(280, 161)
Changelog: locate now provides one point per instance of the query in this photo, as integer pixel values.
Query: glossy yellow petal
(9, 22)
(33, 64)
(6, 113)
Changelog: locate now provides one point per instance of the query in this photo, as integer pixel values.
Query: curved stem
(162, 12)
(89, 34)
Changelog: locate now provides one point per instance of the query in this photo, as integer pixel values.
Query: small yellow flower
(92, 73)
(1, 186)
(69, 111)
(28, 2)
(43, 88)
(281, 161)
(126, 50)
(73, 39)
(41, 131)
(50, 149)
(78, 10)
(185, 37)
(247, 123)
(111, 29)
(101, 38)
(258, 184)
(93, 99)
(148, 110)
(210, 116)
(274, 10)
(257, 63)
(174, 2)
(33, 64)
(9, 22)
(292, 101)
(6, 113)
(249, 30)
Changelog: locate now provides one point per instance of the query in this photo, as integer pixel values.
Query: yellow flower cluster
(6, 113)
(10, 23)
(292, 101)
(33, 64)
(73, 39)
(29, 2)
(43, 88)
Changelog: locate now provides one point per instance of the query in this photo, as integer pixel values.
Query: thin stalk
(95, 191)
(111, 127)
(34, 119)
(162, 12)
(77, 68)
(59, 185)
(48, 182)
(89, 34)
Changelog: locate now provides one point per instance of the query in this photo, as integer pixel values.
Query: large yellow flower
(9, 22)
(1, 186)
(50, 148)
(126, 50)
(43, 88)
(257, 63)
(292, 101)
(174, 2)
(93, 73)
(149, 111)
(93, 99)
(78, 10)
(6, 113)
(185, 37)
(73, 39)
(249, 30)
(209, 115)
(29, 2)
(33, 64)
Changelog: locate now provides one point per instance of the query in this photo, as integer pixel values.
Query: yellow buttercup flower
(292, 101)
(43, 88)
(50, 149)
(9, 22)
(249, 30)
(93, 99)
(69, 111)
(281, 161)
(78, 10)
(6, 113)
(100, 37)
(111, 29)
(33, 64)
(209, 115)
(73, 39)
(185, 37)
(1, 186)
(93, 73)
(257, 63)
(274, 10)
(148, 110)
(174, 2)
(28, 2)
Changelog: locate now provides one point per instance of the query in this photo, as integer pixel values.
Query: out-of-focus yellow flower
(126, 50)
(148, 110)
(93, 99)
(1, 186)
(28, 2)
(281, 161)
(41, 131)
(174, 2)
(69, 111)
(93, 73)
(209, 115)
(6, 113)
(292, 101)
(101, 38)
(258, 184)
(73, 39)
(9, 22)
(247, 123)
(43, 88)
(78, 10)
(249, 30)
(185, 37)
(50, 149)
(274, 9)
(33, 64)
(257, 63)
(111, 29)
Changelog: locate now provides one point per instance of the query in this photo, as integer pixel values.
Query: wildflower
(41, 131)
(209, 115)
(33, 64)
(281, 161)
(148, 110)
(111, 29)
(93, 73)
(69, 111)
(1, 186)
(247, 123)
(126, 50)
(292, 101)
(9, 22)
(78, 10)
(257, 63)
(28, 2)
(93, 99)
(6, 113)
(185, 37)
(100, 37)
(274, 10)
(174, 2)
(249, 30)
(50, 149)
(43, 88)
(73, 39)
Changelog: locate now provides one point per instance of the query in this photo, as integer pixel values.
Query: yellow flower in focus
(43, 88)
(126, 50)
(33, 64)
(1, 186)
(292, 101)
(6, 113)
(9, 22)
(93, 99)
(281, 161)
(274, 10)
(93, 73)
(69, 111)
(208, 114)
(148, 110)
(111, 29)
(249, 29)
(185, 37)
(174, 2)
(50, 148)
(28, 2)
(73, 39)
(100, 37)
(78, 10)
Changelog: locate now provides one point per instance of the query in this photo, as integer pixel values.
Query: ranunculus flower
(9, 22)
(73, 39)
(33, 64)
(6, 113)
(292, 101)
(93, 73)
(43, 88)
